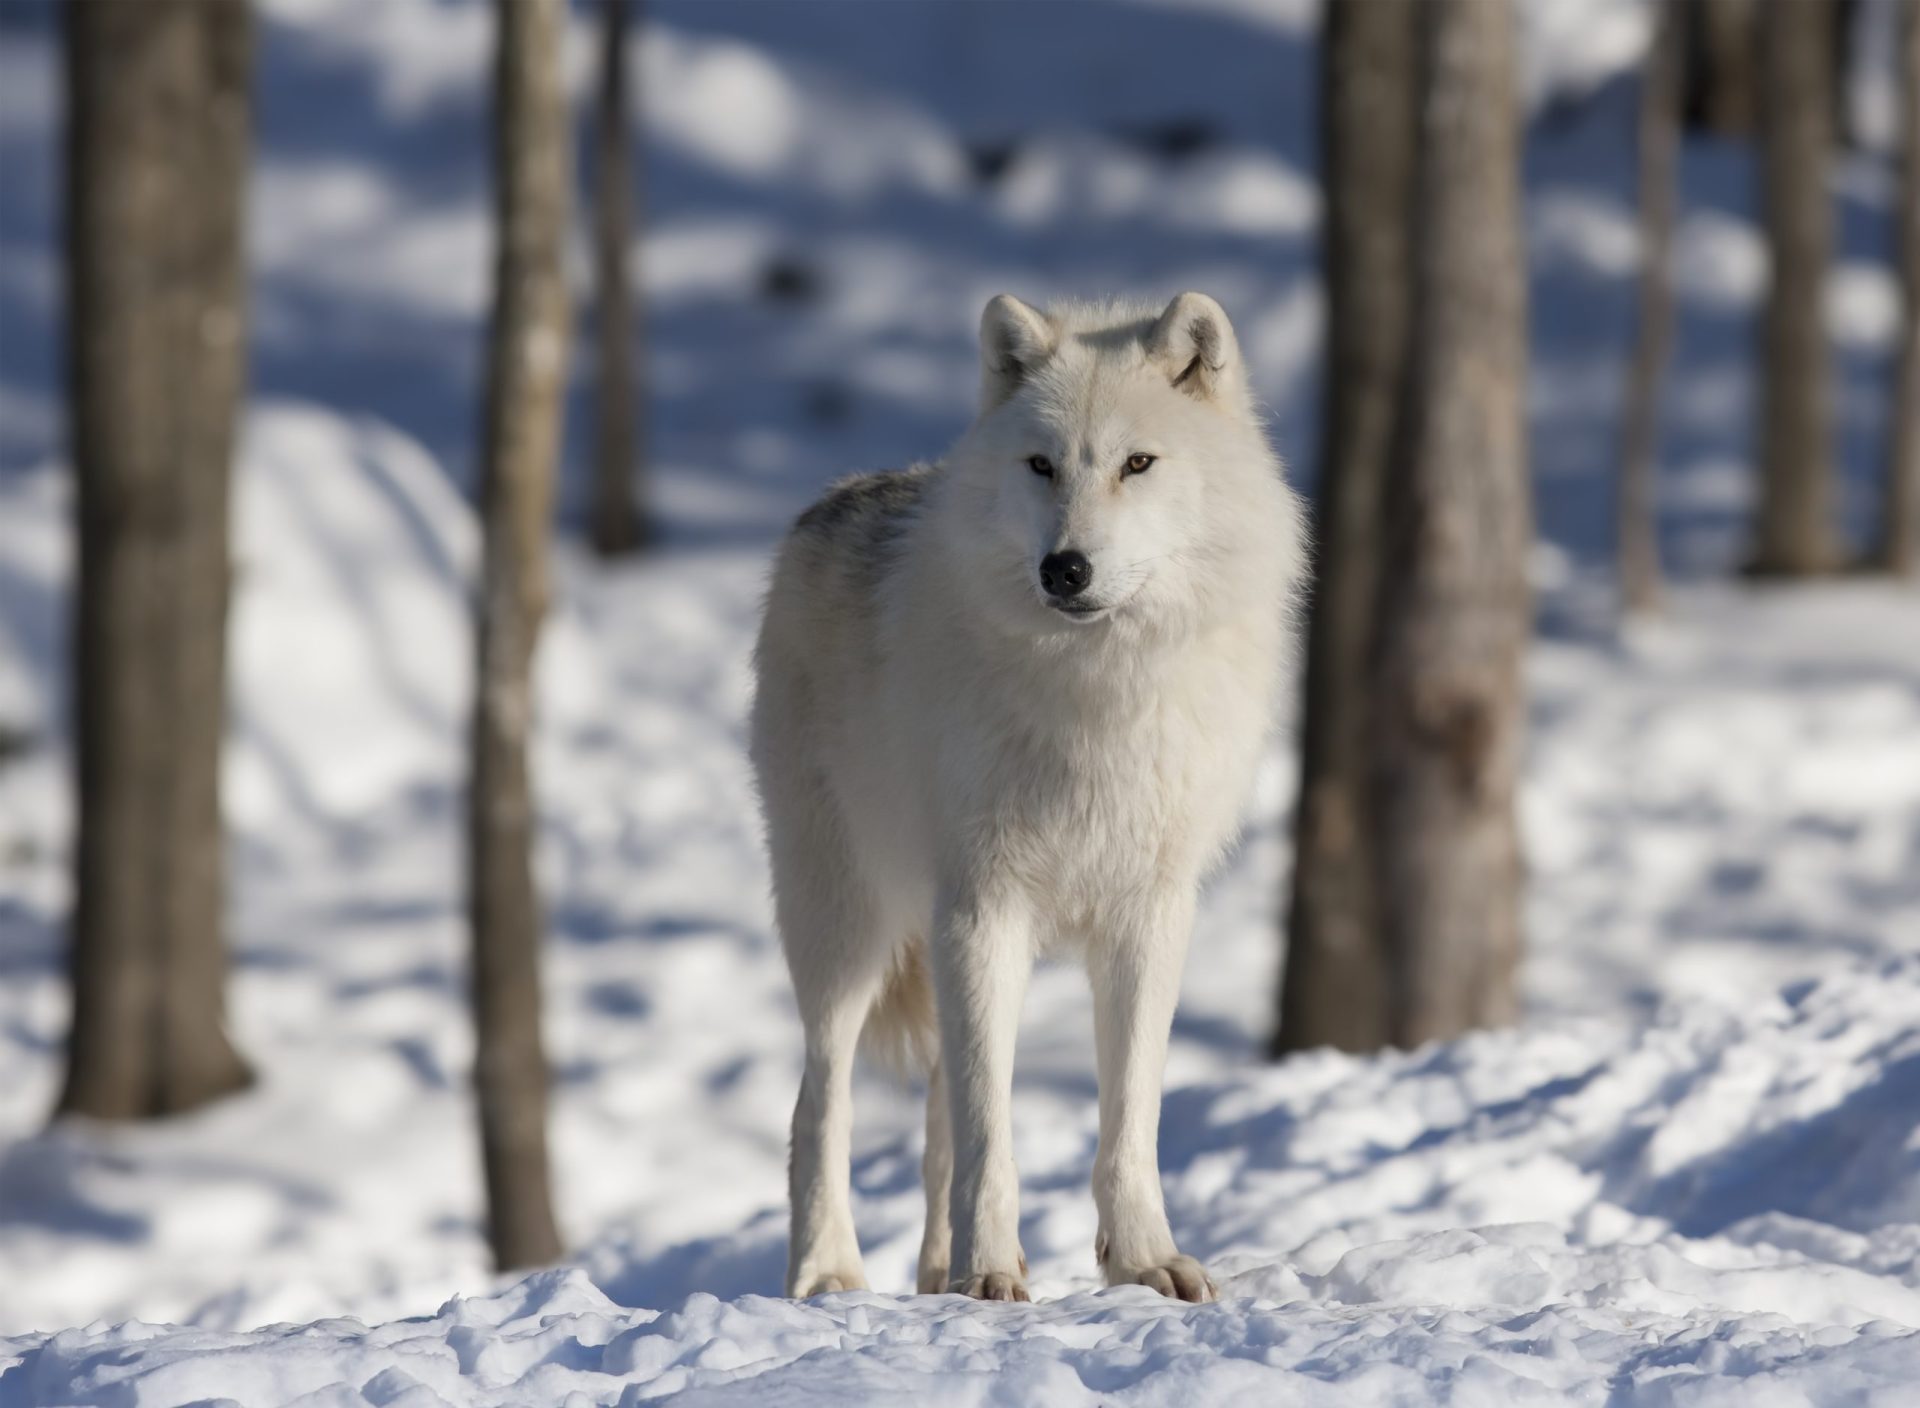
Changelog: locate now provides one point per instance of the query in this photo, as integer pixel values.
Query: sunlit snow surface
(1693, 1175)
(1714, 1205)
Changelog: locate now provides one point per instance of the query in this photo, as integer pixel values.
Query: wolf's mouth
(1083, 610)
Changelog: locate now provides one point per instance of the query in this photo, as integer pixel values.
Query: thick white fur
(957, 777)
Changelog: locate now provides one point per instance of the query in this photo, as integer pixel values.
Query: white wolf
(1010, 704)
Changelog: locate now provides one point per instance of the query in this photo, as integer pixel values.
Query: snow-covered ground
(1693, 1174)
(1716, 1206)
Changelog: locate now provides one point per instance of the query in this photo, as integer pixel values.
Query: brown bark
(618, 526)
(1636, 523)
(157, 140)
(526, 382)
(1721, 78)
(1844, 18)
(1721, 69)
(1454, 599)
(1899, 545)
(1334, 984)
(1792, 532)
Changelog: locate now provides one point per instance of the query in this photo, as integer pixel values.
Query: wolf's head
(1118, 476)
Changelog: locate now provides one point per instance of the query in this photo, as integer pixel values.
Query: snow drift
(1717, 1207)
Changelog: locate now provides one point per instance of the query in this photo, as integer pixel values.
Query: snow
(1692, 1175)
(1717, 1204)
(555, 1339)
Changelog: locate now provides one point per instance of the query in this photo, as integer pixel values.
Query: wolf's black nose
(1065, 573)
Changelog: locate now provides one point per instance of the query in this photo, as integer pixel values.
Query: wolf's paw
(827, 1282)
(1177, 1278)
(994, 1285)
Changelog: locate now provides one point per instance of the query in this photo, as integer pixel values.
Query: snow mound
(352, 629)
(555, 1339)
(1715, 1205)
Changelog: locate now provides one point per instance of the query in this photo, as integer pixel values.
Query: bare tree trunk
(1637, 525)
(1899, 547)
(1792, 532)
(1844, 16)
(1334, 985)
(1454, 601)
(1721, 68)
(618, 525)
(526, 383)
(157, 142)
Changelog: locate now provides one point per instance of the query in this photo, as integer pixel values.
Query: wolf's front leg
(982, 957)
(1135, 969)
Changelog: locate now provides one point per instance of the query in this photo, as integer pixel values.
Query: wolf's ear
(1194, 343)
(1014, 339)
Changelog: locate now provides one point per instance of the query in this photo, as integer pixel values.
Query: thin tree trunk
(618, 525)
(526, 381)
(1454, 601)
(157, 142)
(1845, 18)
(1721, 65)
(1334, 985)
(1637, 525)
(1793, 536)
(1899, 546)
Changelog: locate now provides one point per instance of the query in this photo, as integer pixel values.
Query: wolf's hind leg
(829, 927)
(823, 1252)
(936, 1167)
(837, 955)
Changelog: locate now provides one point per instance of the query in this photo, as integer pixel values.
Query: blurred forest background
(399, 402)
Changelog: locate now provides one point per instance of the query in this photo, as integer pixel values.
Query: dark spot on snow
(580, 1071)
(828, 403)
(787, 279)
(990, 160)
(424, 1062)
(1175, 139)
(729, 1075)
(618, 999)
(1738, 877)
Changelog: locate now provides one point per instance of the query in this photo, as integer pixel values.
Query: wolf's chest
(1084, 776)
(1107, 796)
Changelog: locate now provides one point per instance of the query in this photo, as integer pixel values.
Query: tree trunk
(1334, 985)
(157, 141)
(1721, 67)
(1454, 599)
(526, 381)
(1899, 547)
(618, 525)
(1792, 531)
(1637, 524)
(1844, 16)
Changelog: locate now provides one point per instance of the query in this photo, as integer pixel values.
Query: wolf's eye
(1041, 466)
(1137, 464)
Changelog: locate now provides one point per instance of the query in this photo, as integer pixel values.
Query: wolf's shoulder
(829, 573)
(862, 503)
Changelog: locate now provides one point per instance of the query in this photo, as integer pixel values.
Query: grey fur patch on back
(864, 518)
(886, 494)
